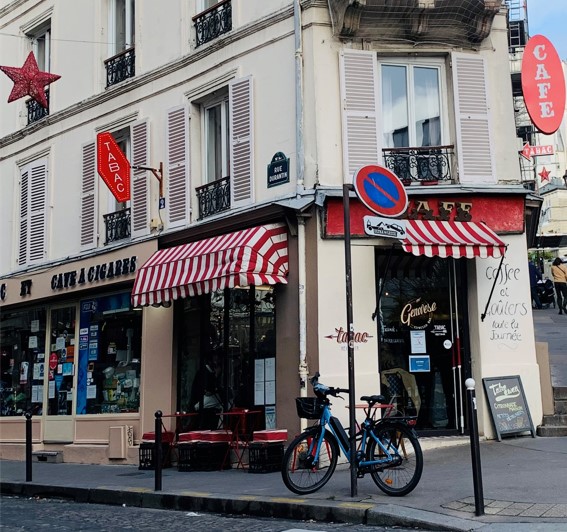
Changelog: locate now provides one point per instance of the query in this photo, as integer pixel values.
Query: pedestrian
(559, 273)
(535, 276)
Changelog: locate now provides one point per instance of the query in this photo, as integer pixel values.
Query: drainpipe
(300, 169)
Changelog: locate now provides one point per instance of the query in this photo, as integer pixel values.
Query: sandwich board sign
(508, 405)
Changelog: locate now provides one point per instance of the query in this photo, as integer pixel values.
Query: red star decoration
(544, 174)
(28, 80)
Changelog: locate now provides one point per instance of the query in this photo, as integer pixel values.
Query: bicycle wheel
(299, 471)
(402, 475)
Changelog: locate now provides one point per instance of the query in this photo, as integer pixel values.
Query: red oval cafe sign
(543, 84)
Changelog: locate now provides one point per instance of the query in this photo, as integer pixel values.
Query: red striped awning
(452, 239)
(253, 256)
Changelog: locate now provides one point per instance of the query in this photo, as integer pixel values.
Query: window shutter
(37, 211)
(241, 142)
(474, 146)
(24, 208)
(358, 72)
(140, 204)
(177, 168)
(88, 198)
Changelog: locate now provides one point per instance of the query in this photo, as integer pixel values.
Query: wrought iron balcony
(426, 165)
(213, 22)
(213, 197)
(117, 226)
(120, 67)
(36, 111)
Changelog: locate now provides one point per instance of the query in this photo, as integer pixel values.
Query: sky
(549, 18)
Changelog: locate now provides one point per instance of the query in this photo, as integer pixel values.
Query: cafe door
(422, 357)
(60, 375)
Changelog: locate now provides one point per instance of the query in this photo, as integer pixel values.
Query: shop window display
(22, 362)
(61, 362)
(232, 331)
(109, 356)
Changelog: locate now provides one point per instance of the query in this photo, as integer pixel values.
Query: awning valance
(252, 256)
(452, 239)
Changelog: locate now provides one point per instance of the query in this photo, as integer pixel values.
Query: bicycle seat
(371, 399)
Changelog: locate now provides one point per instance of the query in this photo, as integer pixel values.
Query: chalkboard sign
(508, 405)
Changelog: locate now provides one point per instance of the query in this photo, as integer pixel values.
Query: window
(33, 213)
(216, 140)
(110, 351)
(411, 108)
(235, 328)
(41, 46)
(121, 25)
(121, 63)
(22, 362)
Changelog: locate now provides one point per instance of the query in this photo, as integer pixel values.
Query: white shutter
(177, 167)
(140, 204)
(37, 226)
(472, 112)
(358, 73)
(241, 142)
(24, 217)
(88, 198)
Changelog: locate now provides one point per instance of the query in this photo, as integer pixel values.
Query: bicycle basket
(309, 407)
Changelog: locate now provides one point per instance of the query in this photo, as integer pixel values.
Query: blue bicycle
(386, 448)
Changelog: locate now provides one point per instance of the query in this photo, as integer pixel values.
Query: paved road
(22, 514)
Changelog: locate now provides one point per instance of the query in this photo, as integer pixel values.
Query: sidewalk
(523, 480)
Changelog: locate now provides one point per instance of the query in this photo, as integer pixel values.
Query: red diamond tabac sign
(113, 166)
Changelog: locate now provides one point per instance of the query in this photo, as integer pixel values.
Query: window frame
(129, 26)
(223, 103)
(439, 64)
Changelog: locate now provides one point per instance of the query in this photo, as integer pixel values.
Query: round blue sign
(381, 190)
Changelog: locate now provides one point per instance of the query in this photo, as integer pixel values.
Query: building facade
(241, 125)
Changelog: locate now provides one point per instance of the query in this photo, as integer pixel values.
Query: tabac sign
(113, 166)
(543, 84)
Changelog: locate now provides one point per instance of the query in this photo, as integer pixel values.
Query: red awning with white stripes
(452, 239)
(253, 256)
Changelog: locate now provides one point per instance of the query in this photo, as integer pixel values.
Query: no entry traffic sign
(381, 190)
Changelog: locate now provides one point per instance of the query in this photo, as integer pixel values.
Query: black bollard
(28, 447)
(158, 453)
(475, 449)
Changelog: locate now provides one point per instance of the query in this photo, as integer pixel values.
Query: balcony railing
(426, 165)
(36, 111)
(120, 67)
(117, 226)
(213, 197)
(213, 22)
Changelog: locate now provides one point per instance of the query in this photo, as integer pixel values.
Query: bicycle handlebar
(323, 390)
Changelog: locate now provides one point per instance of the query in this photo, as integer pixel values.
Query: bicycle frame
(366, 432)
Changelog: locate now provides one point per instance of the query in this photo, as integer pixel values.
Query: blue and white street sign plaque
(380, 190)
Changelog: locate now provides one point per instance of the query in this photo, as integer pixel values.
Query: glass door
(61, 375)
(420, 332)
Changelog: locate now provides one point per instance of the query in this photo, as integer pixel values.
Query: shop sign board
(543, 84)
(534, 151)
(380, 190)
(508, 405)
(278, 170)
(113, 166)
(384, 227)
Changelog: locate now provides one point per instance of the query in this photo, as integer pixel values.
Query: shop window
(110, 348)
(61, 362)
(22, 362)
(235, 330)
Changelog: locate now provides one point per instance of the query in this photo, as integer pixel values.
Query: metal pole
(28, 447)
(158, 453)
(350, 329)
(475, 449)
